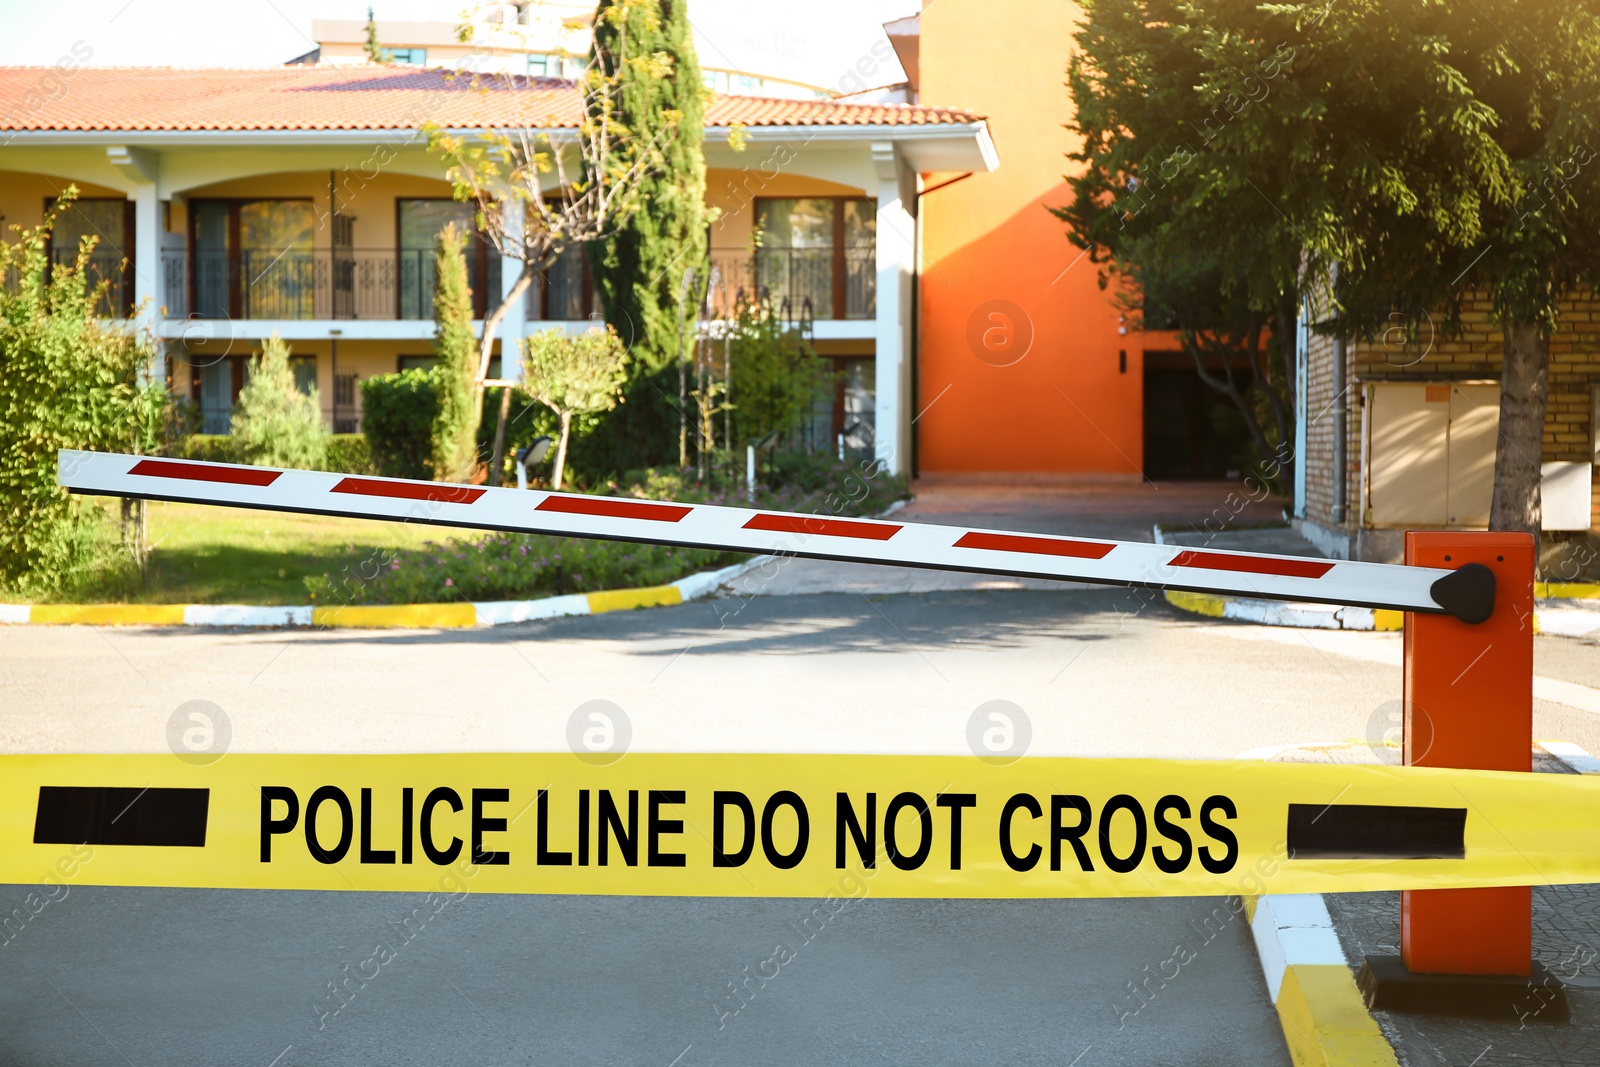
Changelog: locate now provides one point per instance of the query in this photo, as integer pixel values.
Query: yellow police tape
(787, 825)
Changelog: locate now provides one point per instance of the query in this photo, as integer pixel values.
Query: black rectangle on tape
(114, 815)
(1376, 831)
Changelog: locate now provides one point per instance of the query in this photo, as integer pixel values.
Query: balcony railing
(833, 283)
(108, 267)
(839, 282)
(320, 284)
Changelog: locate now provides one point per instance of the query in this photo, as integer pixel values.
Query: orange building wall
(1062, 406)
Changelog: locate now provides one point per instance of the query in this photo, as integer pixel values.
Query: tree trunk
(491, 323)
(561, 451)
(497, 458)
(1523, 389)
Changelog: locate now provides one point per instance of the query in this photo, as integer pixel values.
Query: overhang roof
(302, 98)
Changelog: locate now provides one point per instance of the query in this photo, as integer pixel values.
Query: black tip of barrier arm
(1466, 592)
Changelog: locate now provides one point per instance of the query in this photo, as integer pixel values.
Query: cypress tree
(455, 444)
(639, 269)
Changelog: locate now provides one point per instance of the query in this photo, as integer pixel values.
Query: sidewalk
(1566, 939)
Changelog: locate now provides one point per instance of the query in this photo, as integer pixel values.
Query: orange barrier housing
(1469, 703)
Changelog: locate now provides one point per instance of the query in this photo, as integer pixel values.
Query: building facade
(1401, 434)
(302, 201)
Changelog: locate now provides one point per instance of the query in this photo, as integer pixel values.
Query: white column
(513, 326)
(896, 263)
(142, 168)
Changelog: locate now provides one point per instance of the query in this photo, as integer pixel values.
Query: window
(305, 373)
(416, 363)
(819, 252)
(420, 223)
(252, 259)
(544, 65)
(416, 57)
(109, 222)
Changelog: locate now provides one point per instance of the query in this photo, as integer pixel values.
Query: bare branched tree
(542, 189)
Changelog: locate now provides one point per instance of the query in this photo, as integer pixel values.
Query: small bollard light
(526, 457)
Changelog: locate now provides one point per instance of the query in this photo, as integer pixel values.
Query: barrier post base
(1386, 984)
(1469, 704)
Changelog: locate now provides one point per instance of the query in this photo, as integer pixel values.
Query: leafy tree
(1163, 199)
(397, 418)
(639, 267)
(537, 194)
(376, 53)
(276, 425)
(455, 442)
(67, 381)
(574, 376)
(1476, 175)
(1411, 151)
(775, 376)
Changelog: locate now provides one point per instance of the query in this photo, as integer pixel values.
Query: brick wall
(1475, 353)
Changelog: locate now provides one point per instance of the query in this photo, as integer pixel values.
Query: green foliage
(67, 381)
(776, 375)
(639, 268)
(275, 424)
(398, 413)
(573, 376)
(376, 53)
(346, 453)
(455, 427)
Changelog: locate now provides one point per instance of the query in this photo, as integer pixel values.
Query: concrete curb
(1309, 981)
(414, 616)
(1568, 609)
(1311, 985)
(457, 616)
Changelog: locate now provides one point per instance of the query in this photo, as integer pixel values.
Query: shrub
(573, 376)
(455, 424)
(776, 376)
(209, 447)
(397, 419)
(66, 381)
(348, 454)
(276, 425)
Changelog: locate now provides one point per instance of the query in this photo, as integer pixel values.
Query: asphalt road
(146, 976)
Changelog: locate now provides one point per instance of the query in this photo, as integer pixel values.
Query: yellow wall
(734, 194)
(370, 201)
(1063, 406)
(22, 196)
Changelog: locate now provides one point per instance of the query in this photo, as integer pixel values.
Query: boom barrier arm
(1466, 592)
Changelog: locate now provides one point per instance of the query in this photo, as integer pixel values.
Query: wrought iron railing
(836, 282)
(319, 284)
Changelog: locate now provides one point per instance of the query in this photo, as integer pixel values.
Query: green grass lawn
(209, 555)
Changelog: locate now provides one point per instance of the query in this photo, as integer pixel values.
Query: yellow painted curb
(106, 614)
(417, 616)
(1325, 1022)
(1385, 619)
(1566, 590)
(1199, 603)
(651, 596)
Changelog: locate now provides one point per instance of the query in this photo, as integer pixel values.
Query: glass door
(276, 262)
(420, 224)
(213, 259)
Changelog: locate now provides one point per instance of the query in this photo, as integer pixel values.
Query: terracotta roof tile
(358, 98)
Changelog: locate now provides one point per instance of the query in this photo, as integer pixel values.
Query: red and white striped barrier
(1467, 593)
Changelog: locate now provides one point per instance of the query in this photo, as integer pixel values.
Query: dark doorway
(1190, 430)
